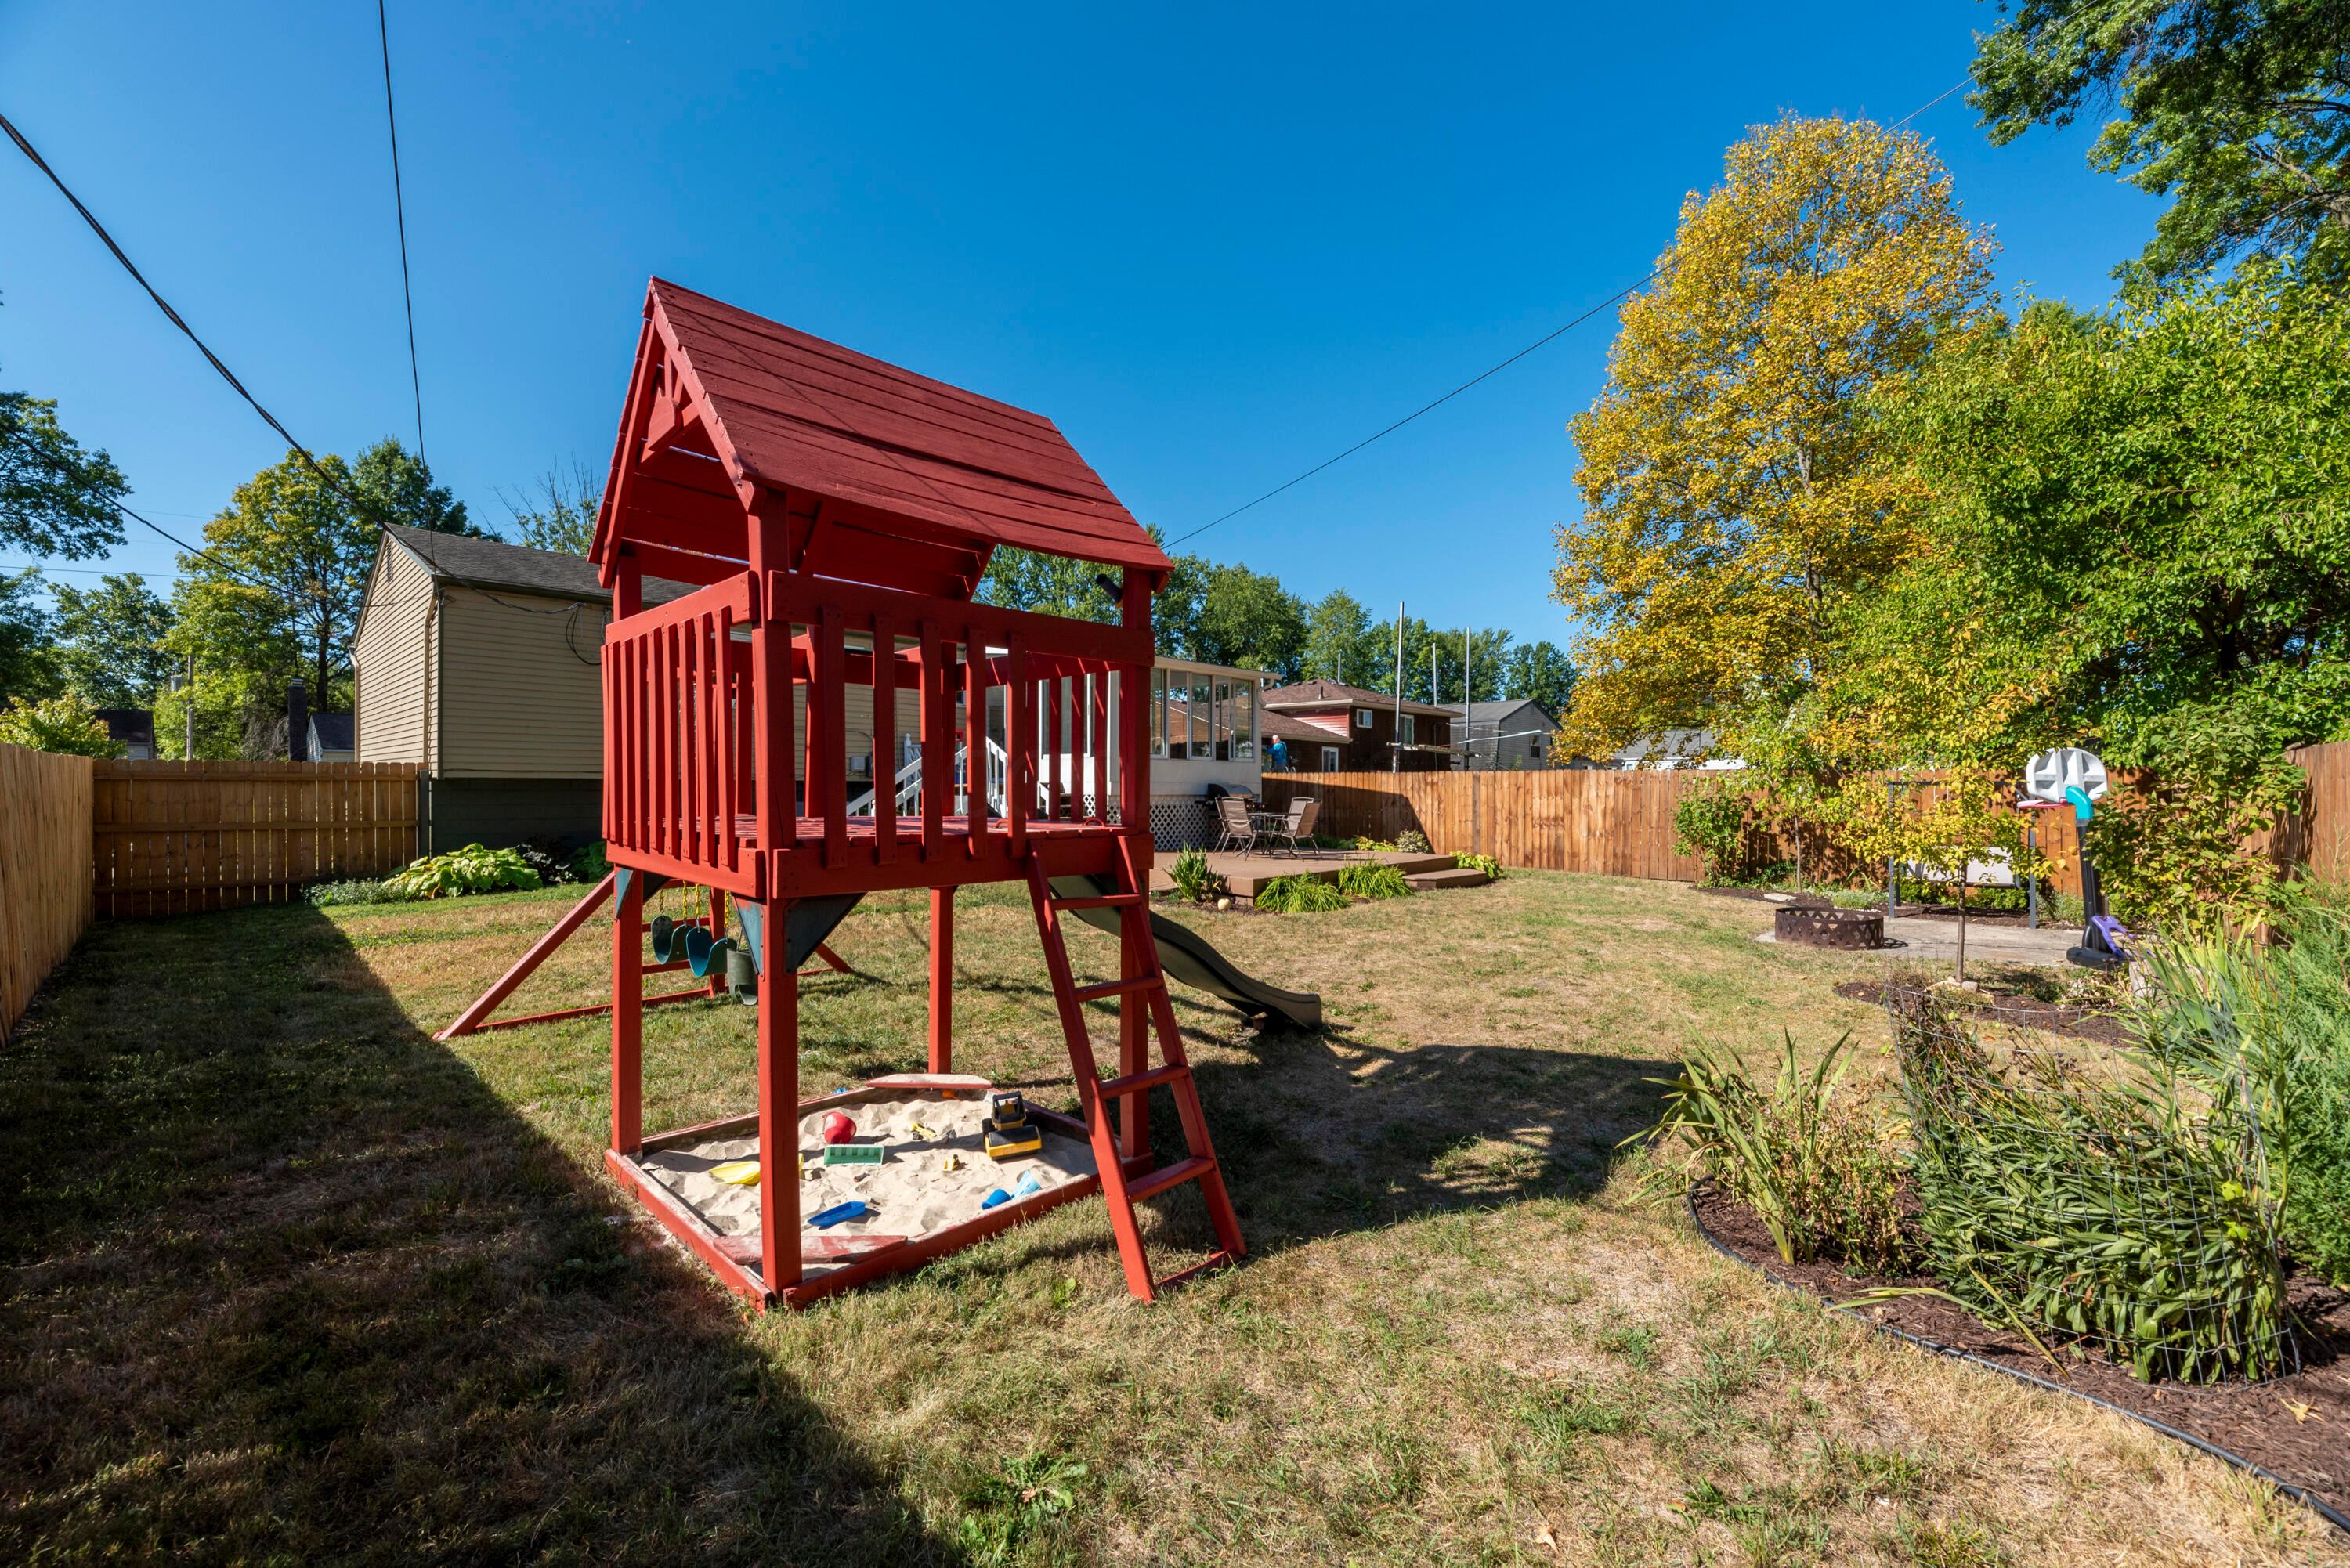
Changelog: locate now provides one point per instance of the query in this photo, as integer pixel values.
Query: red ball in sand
(838, 1128)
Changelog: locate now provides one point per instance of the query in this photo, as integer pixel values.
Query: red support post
(629, 1018)
(779, 1095)
(942, 979)
(1134, 792)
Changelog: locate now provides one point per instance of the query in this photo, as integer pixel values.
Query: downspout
(429, 720)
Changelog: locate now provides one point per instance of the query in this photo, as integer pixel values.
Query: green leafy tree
(1539, 672)
(2129, 515)
(561, 515)
(394, 485)
(64, 724)
(28, 665)
(110, 641)
(274, 593)
(2239, 111)
(56, 499)
(1341, 642)
(1733, 492)
(1047, 584)
(1247, 618)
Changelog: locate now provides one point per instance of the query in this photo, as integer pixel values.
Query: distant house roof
(1296, 732)
(1308, 694)
(333, 731)
(1498, 712)
(1672, 749)
(128, 726)
(516, 569)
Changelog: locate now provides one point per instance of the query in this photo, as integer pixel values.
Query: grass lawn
(281, 1280)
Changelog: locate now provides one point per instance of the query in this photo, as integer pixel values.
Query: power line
(1541, 342)
(400, 210)
(366, 507)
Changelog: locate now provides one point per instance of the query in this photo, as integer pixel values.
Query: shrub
(1365, 879)
(2125, 1209)
(1719, 824)
(1299, 896)
(1822, 1173)
(2273, 1023)
(2181, 853)
(471, 869)
(546, 856)
(66, 725)
(326, 895)
(1485, 863)
(1192, 879)
(1412, 841)
(1362, 842)
(589, 865)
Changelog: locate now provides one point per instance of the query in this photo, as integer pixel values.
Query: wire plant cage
(2093, 1198)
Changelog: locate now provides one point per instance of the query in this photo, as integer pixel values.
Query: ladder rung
(1174, 1175)
(1100, 901)
(1135, 1082)
(1115, 988)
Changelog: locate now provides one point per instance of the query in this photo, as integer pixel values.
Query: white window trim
(1330, 760)
(1362, 718)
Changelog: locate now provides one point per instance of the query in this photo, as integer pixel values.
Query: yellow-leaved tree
(1729, 483)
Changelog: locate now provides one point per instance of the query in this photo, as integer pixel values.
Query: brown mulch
(2017, 1008)
(2256, 1422)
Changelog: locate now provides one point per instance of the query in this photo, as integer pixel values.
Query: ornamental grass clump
(1368, 879)
(2108, 1202)
(2271, 1021)
(1194, 881)
(1299, 896)
(1822, 1171)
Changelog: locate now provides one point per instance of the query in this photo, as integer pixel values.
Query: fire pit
(1853, 928)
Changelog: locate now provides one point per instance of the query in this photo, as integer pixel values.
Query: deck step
(1139, 1083)
(1461, 876)
(1174, 1175)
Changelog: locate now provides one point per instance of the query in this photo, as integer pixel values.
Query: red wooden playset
(835, 513)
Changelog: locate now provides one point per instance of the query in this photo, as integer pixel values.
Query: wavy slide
(1186, 957)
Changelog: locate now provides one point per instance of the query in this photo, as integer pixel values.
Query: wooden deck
(1245, 873)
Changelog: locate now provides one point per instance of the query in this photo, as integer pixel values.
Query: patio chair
(1232, 821)
(1299, 823)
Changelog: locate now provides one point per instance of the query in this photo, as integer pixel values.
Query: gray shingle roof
(518, 568)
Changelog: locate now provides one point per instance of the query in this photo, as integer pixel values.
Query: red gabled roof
(797, 414)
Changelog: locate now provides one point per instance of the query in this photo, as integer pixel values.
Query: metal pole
(2030, 884)
(1892, 878)
(1394, 750)
(188, 713)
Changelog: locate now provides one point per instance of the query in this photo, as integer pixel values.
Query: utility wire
(1541, 342)
(366, 507)
(400, 210)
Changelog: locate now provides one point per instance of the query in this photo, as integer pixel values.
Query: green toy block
(855, 1154)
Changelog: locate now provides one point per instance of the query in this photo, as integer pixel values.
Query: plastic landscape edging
(2298, 1495)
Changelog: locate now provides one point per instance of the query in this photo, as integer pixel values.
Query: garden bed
(2000, 1001)
(2296, 1427)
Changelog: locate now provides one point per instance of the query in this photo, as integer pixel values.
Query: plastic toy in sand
(1010, 1133)
(838, 1128)
(855, 1208)
(737, 1173)
(856, 1154)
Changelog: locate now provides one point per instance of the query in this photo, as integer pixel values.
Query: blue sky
(1216, 245)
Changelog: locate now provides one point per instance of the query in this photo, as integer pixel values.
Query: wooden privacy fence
(45, 881)
(1614, 823)
(1620, 824)
(170, 838)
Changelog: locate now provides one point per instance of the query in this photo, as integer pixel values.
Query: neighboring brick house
(1331, 728)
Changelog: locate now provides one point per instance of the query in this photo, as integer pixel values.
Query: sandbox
(927, 1197)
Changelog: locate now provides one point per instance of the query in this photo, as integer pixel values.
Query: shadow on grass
(283, 1280)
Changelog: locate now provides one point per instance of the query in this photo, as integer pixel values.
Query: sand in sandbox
(910, 1194)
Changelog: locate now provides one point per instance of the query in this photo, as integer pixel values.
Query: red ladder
(1122, 1188)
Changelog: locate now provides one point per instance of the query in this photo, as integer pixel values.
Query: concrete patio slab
(1932, 941)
